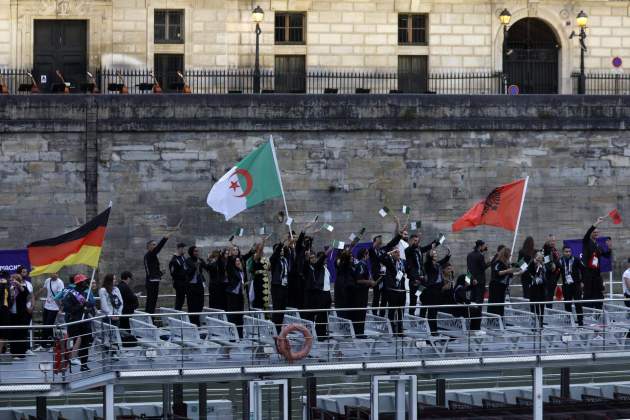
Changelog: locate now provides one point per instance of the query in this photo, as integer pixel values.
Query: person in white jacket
(111, 298)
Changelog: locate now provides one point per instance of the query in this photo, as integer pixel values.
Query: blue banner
(11, 259)
(576, 248)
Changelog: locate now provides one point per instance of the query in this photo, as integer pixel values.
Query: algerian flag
(262, 231)
(383, 212)
(328, 227)
(352, 237)
(442, 239)
(253, 180)
(338, 244)
(416, 225)
(239, 232)
(406, 209)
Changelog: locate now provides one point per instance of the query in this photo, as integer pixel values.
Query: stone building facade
(349, 35)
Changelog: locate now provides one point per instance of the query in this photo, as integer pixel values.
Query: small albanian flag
(615, 216)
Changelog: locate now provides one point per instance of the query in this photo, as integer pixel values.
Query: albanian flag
(615, 216)
(81, 246)
(501, 208)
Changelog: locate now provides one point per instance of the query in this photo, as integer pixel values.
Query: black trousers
(279, 298)
(537, 293)
(473, 313)
(359, 299)
(379, 300)
(258, 301)
(318, 299)
(496, 294)
(430, 296)
(235, 303)
(395, 315)
(573, 292)
(48, 318)
(19, 337)
(593, 285)
(83, 330)
(153, 290)
(341, 298)
(413, 299)
(550, 291)
(526, 283)
(194, 301)
(180, 295)
(478, 291)
(216, 296)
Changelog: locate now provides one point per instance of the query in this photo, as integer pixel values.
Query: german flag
(81, 246)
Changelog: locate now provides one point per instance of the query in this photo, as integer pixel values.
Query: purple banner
(333, 257)
(10, 259)
(576, 248)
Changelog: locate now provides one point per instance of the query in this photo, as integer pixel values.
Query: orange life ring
(284, 348)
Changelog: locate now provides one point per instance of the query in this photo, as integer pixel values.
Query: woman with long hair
(111, 299)
(526, 255)
(501, 275)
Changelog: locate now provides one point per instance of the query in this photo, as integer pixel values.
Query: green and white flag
(383, 212)
(328, 227)
(406, 209)
(416, 225)
(262, 231)
(253, 180)
(239, 232)
(339, 244)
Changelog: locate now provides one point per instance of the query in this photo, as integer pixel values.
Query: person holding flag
(591, 259)
(78, 304)
(414, 257)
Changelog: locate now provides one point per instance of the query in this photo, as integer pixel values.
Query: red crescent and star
(249, 181)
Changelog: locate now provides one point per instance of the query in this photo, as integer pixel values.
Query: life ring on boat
(284, 347)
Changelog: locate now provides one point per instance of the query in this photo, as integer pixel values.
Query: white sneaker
(75, 361)
(29, 353)
(39, 348)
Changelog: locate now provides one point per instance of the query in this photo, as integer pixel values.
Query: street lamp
(257, 16)
(505, 18)
(581, 20)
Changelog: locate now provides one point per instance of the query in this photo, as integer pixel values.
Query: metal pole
(374, 398)
(179, 407)
(311, 396)
(166, 401)
(108, 402)
(287, 400)
(440, 392)
(41, 411)
(400, 400)
(246, 403)
(257, 62)
(537, 393)
(203, 401)
(565, 383)
(582, 81)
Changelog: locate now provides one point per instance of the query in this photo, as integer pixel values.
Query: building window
(413, 73)
(289, 28)
(168, 26)
(290, 74)
(166, 68)
(412, 29)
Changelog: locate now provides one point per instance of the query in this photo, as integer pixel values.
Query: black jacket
(152, 262)
(216, 271)
(376, 254)
(233, 277)
(572, 266)
(279, 266)
(433, 271)
(130, 300)
(590, 249)
(414, 256)
(361, 272)
(476, 264)
(194, 270)
(393, 280)
(177, 267)
(314, 274)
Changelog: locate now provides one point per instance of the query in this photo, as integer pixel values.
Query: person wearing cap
(78, 303)
(477, 266)
(177, 267)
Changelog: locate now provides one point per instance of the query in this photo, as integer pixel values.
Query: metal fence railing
(145, 344)
(225, 81)
(604, 83)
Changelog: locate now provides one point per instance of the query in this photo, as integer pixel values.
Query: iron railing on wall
(604, 83)
(225, 81)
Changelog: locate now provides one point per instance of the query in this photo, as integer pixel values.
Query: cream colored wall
(464, 35)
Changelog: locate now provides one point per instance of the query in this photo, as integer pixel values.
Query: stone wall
(342, 157)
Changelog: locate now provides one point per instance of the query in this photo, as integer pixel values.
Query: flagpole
(275, 160)
(518, 221)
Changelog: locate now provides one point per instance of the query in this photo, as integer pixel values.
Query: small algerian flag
(352, 237)
(289, 221)
(468, 280)
(442, 239)
(262, 231)
(252, 181)
(547, 259)
(406, 209)
(338, 244)
(524, 266)
(239, 232)
(383, 212)
(328, 227)
(416, 225)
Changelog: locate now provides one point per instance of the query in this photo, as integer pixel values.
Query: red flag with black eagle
(500, 208)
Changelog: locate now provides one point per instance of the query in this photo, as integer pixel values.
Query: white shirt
(326, 279)
(402, 245)
(626, 280)
(106, 304)
(52, 286)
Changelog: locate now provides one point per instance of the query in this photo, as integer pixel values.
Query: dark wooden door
(60, 45)
(166, 68)
(413, 73)
(290, 73)
(530, 57)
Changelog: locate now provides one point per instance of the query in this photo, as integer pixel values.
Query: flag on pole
(406, 209)
(501, 208)
(328, 227)
(383, 212)
(81, 246)
(252, 181)
(615, 216)
(416, 225)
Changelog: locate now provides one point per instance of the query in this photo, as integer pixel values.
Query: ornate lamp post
(257, 16)
(581, 20)
(505, 18)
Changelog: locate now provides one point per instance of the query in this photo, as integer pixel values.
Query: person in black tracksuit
(394, 288)
(196, 281)
(377, 250)
(571, 274)
(432, 294)
(130, 301)
(360, 291)
(280, 267)
(501, 276)
(526, 255)
(317, 283)
(477, 266)
(153, 273)
(592, 254)
(178, 269)
(553, 269)
(235, 272)
(537, 293)
(414, 257)
(461, 295)
(216, 285)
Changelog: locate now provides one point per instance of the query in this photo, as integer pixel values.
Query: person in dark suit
(432, 294)
(477, 266)
(279, 282)
(571, 273)
(592, 254)
(130, 299)
(234, 292)
(394, 288)
(177, 268)
(414, 257)
(196, 281)
(317, 283)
